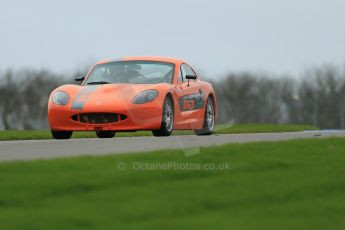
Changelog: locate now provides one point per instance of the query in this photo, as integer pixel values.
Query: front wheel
(60, 135)
(208, 126)
(167, 124)
(105, 134)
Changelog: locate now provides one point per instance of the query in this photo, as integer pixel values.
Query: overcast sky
(280, 36)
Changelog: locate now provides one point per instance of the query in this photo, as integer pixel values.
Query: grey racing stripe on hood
(81, 98)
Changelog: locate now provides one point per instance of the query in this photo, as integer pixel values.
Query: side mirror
(79, 79)
(190, 77)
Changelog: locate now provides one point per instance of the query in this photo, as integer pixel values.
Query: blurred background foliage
(316, 97)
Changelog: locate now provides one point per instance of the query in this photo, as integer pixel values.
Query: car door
(191, 97)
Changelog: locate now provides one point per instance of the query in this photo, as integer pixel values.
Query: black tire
(209, 121)
(105, 134)
(167, 124)
(60, 135)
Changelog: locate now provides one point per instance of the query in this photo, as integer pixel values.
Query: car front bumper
(130, 118)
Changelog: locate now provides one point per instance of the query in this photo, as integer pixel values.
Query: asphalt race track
(47, 149)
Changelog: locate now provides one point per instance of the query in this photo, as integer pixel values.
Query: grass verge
(220, 129)
(279, 185)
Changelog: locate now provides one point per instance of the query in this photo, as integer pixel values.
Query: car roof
(145, 58)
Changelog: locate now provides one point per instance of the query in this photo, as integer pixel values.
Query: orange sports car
(134, 93)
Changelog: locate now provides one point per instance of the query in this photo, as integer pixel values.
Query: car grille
(98, 118)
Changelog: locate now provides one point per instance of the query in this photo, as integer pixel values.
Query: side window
(187, 70)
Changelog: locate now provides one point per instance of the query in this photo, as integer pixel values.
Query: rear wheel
(61, 134)
(105, 134)
(208, 126)
(167, 124)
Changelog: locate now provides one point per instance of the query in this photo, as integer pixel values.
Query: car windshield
(134, 72)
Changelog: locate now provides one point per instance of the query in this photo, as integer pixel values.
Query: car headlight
(145, 96)
(60, 98)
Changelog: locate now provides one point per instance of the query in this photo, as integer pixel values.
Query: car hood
(83, 97)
